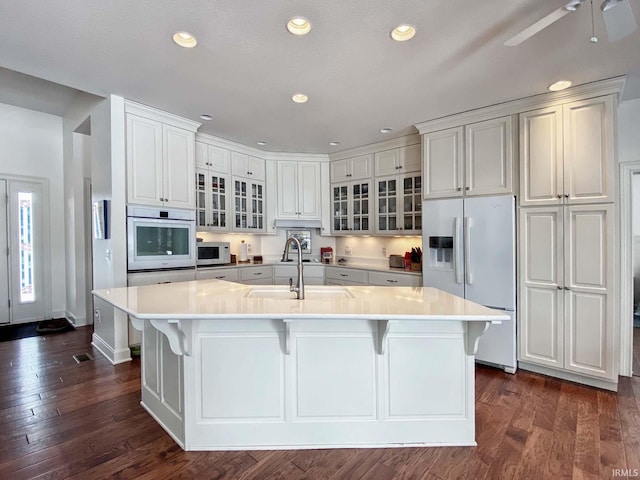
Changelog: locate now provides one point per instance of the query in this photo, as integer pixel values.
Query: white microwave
(160, 238)
(213, 253)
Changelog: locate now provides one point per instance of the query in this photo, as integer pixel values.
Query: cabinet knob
(467, 188)
(566, 195)
(459, 189)
(559, 196)
(567, 288)
(559, 287)
(400, 166)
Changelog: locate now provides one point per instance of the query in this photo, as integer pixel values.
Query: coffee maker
(326, 254)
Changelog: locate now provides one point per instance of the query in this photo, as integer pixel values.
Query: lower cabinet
(344, 276)
(384, 279)
(313, 274)
(259, 275)
(227, 274)
(138, 279)
(566, 319)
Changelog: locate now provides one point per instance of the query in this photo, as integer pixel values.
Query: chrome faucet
(299, 288)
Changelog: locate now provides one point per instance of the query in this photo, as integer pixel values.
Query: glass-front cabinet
(248, 205)
(351, 207)
(212, 200)
(398, 204)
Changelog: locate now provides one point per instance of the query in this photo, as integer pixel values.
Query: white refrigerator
(469, 251)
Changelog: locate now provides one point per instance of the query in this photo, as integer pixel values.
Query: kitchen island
(228, 366)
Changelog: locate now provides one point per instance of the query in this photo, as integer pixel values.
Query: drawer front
(256, 273)
(348, 275)
(393, 279)
(227, 274)
(151, 278)
(310, 271)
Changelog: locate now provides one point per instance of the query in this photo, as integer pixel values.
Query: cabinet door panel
(387, 162)
(218, 158)
(257, 168)
(309, 190)
(541, 164)
(442, 170)
(240, 164)
(411, 158)
(361, 167)
(589, 312)
(340, 170)
(178, 149)
(202, 155)
(144, 161)
(541, 295)
(287, 190)
(489, 157)
(588, 150)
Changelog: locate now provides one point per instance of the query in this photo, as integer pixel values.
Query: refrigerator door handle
(457, 261)
(467, 251)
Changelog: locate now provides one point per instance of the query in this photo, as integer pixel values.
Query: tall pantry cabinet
(566, 221)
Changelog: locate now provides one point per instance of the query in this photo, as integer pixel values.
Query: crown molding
(581, 92)
(397, 142)
(160, 116)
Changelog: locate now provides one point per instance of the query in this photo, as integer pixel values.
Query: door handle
(456, 247)
(467, 251)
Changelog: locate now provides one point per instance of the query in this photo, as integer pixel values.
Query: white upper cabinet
(211, 157)
(398, 160)
(566, 153)
(247, 166)
(299, 194)
(476, 159)
(160, 163)
(351, 168)
(489, 157)
(443, 167)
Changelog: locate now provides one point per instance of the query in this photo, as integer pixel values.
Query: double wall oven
(160, 238)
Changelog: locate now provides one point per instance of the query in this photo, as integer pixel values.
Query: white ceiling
(247, 66)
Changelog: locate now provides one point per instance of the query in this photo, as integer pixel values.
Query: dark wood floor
(59, 419)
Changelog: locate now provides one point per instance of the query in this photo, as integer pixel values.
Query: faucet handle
(291, 287)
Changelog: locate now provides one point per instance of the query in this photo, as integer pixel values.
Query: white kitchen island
(228, 366)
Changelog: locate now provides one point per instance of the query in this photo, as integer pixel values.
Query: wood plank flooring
(59, 419)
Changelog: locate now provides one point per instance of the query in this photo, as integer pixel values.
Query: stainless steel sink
(311, 292)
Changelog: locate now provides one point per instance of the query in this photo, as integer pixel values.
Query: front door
(4, 255)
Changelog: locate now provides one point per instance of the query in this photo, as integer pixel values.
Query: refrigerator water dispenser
(441, 252)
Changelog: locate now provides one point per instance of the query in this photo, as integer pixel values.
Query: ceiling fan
(618, 19)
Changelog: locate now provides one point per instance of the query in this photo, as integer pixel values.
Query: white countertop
(376, 267)
(217, 299)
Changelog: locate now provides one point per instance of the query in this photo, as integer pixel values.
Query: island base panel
(239, 389)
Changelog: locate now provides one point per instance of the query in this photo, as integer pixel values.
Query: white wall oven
(160, 238)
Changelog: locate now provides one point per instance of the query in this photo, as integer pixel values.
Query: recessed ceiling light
(559, 85)
(403, 32)
(206, 116)
(300, 98)
(333, 144)
(261, 142)
(299, 26)
(185, 39)
(386, 130)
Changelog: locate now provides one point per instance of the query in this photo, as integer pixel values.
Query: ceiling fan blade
(619, 20)
(536, 27)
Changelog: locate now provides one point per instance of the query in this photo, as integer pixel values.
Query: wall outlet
(248, 248)
(347, 250)
(384, 251)
(96, 313)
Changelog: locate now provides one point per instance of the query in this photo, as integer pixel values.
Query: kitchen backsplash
(355, 249)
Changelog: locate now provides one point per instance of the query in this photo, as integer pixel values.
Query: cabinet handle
(459, 189)
(221, 277)
(392, 281)
(468, 188)
(566, 195)
(400, 166)
(559, 287)
(567, 288)
(257, 273)
(344, 274)
(559, 196)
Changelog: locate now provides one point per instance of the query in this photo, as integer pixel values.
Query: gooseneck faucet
(299, 288)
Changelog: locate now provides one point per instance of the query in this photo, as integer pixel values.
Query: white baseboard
(114, 356)
(572, 377)
(76, 321)
(59, 314)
